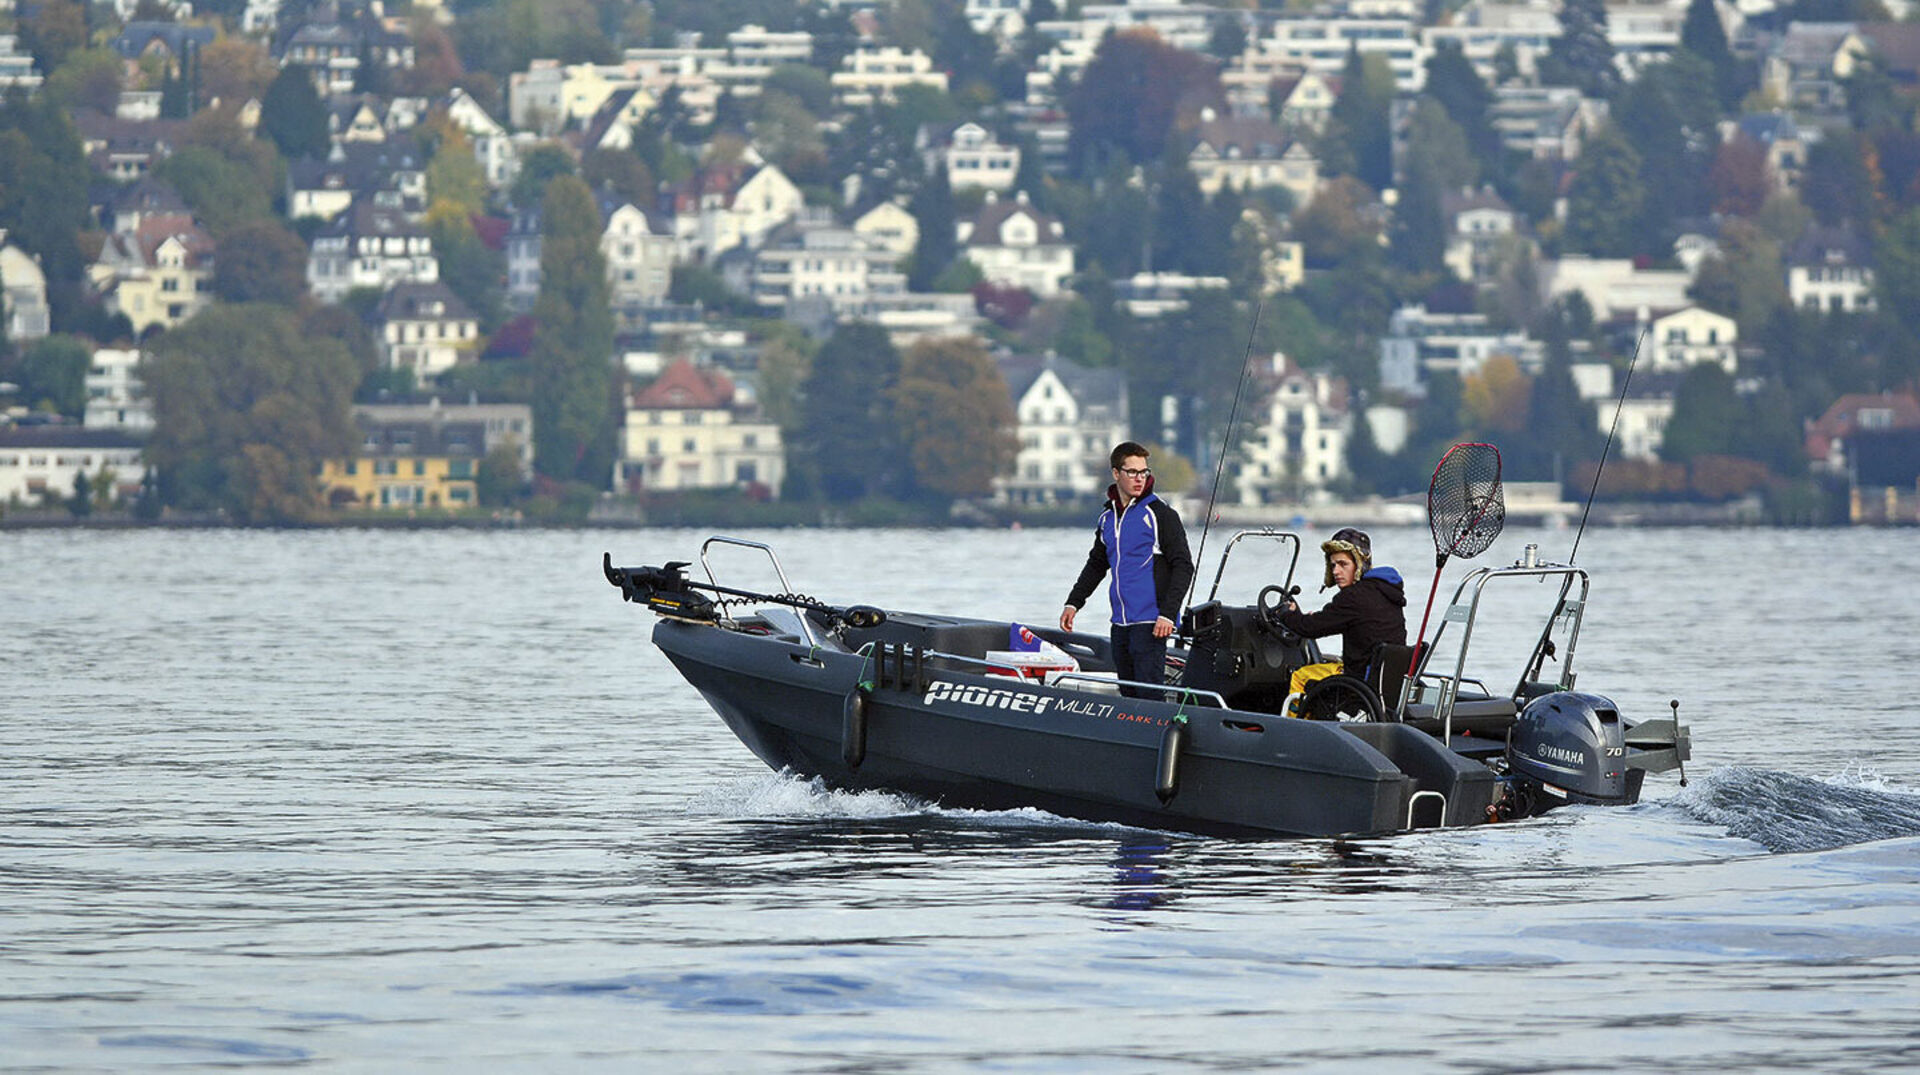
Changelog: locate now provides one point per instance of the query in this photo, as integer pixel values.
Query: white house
(369, 246)
(693, 429)
(974, 158)
(888, 226)
(39, 464)
(1687, 337)
(871, 74)
(1830, 269)
(116, 398)
(1068, 418)
(1297, 441)
(425, 328)
(639, 261)
(1016, 245)
(23, 293)
(493, 144)
(1251, 154)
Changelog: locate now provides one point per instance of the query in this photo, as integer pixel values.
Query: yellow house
(424, 455)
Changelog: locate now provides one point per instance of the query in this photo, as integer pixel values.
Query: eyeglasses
(1131, 472)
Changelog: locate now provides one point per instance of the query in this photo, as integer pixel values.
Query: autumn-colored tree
(1333, 227)
(260, 261)
(88, 78)
(246, 404)
(454, 176)
(1497, 397)
(1740, 181)
(52, 29)
(956, 418)
(1135, 96)
(233, 71)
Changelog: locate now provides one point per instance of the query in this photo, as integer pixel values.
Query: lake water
(431, 801)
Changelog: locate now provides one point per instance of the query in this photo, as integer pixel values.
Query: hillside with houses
(309, 261)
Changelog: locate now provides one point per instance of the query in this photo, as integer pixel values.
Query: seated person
(1369, 610)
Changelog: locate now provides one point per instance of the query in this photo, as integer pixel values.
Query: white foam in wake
(785, 795)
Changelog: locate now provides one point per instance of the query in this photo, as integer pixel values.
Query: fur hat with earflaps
(1354, 543)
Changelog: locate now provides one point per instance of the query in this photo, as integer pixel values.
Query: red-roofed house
(1855, 415)
(694, 428)
(159, 274)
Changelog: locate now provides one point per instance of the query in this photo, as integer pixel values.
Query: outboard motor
(1569, 747)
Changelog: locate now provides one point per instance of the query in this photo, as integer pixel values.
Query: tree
(1453, 82)
(1134, 96)
(1604, 203)
(1740, 181)
(955, 417)
(938, 245)
(246, 405)
(43, 195)
(849, 443)
(619, 172)
(468, 267)
(573, 401)
(1703, 35)
(81, 502)
(499, 476)
(1746, 281)
(52, 374)
(1438, 161)
(1841, 183)
(233, 71)
(88, 78)
(1582, 56)
(52, 30)
(1227, 37)
(223, 193)
(1333, 227)
(293, 117)
(1897, 270)
(538, 167)
(1361, 116)
(260, 261)
(1707, 416)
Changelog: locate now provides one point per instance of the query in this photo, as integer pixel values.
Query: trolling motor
(668, 591)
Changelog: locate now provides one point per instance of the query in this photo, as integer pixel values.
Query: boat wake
(1784, 811)
(787, 796)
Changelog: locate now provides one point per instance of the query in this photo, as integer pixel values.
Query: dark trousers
(1140, 657)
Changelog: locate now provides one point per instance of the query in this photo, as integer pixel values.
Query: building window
(386, 467)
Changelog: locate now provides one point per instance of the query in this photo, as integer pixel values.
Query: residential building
(1642, 416)
(725, 207)
(390, 175)
(1016, 245)
(639, 256)
(1830, 269)
(1673, 341)
(1306, 100)
(888, 226)
(1613, 287)
(1068, 418)
(125, 150)
(1296, 442)
(1807, 66)
(23, 294)
(1247, 153)
(425, 328)
(493, 145)
(1853, 418)
(158, 275)
(870, 75)
(1156, 294)
(1418, 344)
(973, 158)
(1320, 43)
(369, 246)
(425, 454)
(1483, 234)
(16, 66)
(834, 264)
(1545, 122)
(1482, 28)
(40, 464)
(694, 429)
(116, 398)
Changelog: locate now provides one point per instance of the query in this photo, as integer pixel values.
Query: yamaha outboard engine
(1569, 747)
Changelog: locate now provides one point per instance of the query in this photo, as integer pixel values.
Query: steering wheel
(1269, 613)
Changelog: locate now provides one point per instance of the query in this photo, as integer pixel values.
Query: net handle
(1442, 553)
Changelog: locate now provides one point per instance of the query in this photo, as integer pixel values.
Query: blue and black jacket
(1145, 546)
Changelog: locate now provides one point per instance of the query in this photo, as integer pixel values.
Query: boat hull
(987, 742)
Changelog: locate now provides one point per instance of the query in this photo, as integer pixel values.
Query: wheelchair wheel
(1342, 698)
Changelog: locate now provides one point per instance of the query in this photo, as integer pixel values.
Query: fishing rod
(1619, 405)
(1246, 364)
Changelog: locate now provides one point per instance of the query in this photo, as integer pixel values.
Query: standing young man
(1141, 540)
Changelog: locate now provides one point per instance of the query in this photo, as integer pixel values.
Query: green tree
(88, 78)
(246, 405)
(573, 401)
(453, 174)
(1840, 183)
(293, 116)
(260, 261)
(43, 196)
(849, 442)
(1334, 227)
(468, 267)
(1707, 416)
(1896, 277)
(538, 167)
(1746, 281)
(1582, 56)
(52, 374)
(1227, 37)
(1703, 35)
(499, 478)
(224, 193)
(1361, 116)
(955, 417)
(1453, 82)
(81, 502)
(619, 172)
(52, 29)
(933, 214)
(1438, 161)
(1606, 199)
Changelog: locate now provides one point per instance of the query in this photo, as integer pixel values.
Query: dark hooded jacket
(1366, 614)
